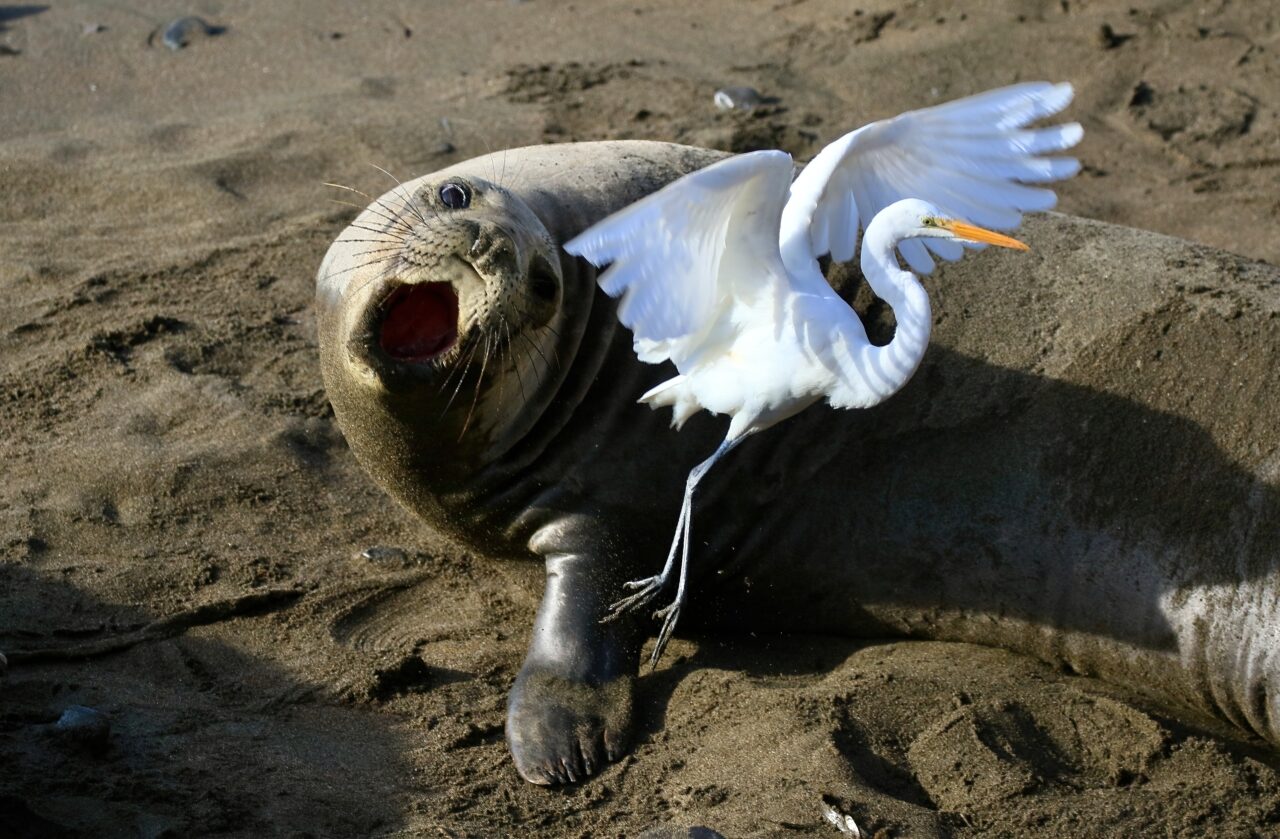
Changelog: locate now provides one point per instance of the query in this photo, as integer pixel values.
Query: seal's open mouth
(419, 322)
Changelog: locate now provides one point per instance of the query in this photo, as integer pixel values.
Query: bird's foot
(668, 616)
(648, 589)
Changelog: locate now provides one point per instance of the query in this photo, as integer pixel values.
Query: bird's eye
(455, 196)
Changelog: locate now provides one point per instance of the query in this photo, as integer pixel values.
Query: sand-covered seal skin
(1085, 467)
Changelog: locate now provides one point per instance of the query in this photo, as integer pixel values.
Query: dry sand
(182, 526)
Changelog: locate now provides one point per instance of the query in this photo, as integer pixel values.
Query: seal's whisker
(554, 352)
(361, 265)
(369, 251)
(453, 371)
(395, 222)
(388, 208)
(499, 177)
(539, 372)
(484, 362)
(488, 153)
(392, 216)
(502, 388)
(379, 256)
(515, 362)
(548, 327)
(409, 203)
(374, 246)
(457, 368)
(384, 234)
(406, 198)
(465, 368)
(506, 356)
(383, 244)
(546, 364)
(418, 206)
(368, 262)
(521, 160)
(413, 205)
(382, 273)
(397, 242)
(376, 230)
(348, 189)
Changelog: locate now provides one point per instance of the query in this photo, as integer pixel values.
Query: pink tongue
(421, 321)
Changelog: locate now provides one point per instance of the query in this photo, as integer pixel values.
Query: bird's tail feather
(674, 392)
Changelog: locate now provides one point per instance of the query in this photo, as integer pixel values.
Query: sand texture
(270, 646)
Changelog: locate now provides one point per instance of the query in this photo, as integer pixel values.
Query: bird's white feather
(718, 271)
(681, 256)
(972, 158)
(692, 262)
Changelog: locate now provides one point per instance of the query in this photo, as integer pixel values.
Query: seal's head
(430, 273)
(439, 311)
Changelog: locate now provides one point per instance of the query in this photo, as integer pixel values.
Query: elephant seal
(1084, 469)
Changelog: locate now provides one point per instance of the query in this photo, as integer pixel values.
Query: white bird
(718, 271)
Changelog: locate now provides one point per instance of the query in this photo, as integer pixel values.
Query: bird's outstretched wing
(973, 158)
(682, 256)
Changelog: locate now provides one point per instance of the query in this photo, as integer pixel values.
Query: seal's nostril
(542, 281)
(483, 240)
(494, 250)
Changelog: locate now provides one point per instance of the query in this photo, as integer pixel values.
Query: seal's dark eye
(455, 196)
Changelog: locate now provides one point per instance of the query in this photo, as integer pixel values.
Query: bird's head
(922, 220)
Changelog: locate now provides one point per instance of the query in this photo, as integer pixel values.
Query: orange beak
(973, 233)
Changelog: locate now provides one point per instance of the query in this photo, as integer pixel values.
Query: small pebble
(739, 98)
(385, 554)
(184, 30)
(1109, 39)
(84, 726)
(94, 28)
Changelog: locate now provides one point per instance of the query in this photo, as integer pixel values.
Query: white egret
(719, 273)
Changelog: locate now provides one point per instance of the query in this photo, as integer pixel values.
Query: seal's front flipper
(562, 731)
(569, 712)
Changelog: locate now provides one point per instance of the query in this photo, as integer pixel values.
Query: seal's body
(1065, 476)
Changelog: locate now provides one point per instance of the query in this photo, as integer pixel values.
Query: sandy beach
(270, 646)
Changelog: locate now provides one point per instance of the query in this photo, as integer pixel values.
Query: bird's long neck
(878, 372)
